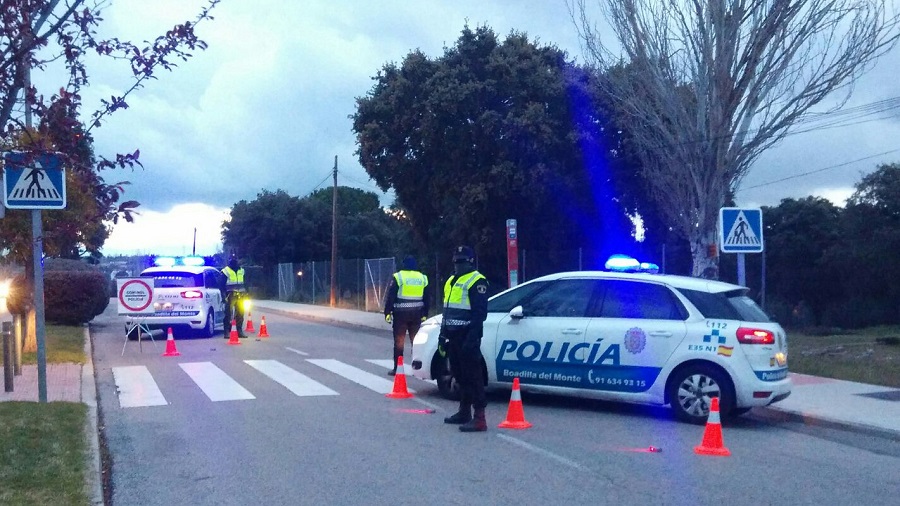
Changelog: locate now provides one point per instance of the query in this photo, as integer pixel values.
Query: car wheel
(209, 329)
(447, 383)
(692, 388)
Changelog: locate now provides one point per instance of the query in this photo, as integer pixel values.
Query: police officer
(465, 309)
(406, 305)
(234, 289)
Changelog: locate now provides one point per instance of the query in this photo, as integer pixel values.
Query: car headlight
(247, 304)
(4, 289)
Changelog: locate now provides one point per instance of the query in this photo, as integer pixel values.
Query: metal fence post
(7, 357)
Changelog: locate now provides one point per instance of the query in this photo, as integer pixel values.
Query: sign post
(134, 298)
(512, 253)
(35, 181)
(740, 231)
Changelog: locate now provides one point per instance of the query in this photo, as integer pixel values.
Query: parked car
(187, 297)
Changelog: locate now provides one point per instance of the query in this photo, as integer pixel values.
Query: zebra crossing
(136, 386)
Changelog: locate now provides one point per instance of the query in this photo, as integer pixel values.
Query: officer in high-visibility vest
(406, 305)
(234, 298)
(465, 309)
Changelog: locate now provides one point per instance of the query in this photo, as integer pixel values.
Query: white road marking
(298, 383)
(136, 387)
(371, 381)
(217, 385)
(389, 364)
(541, 451)
(297, 351)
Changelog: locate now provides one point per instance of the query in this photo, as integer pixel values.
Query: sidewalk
(814, 401)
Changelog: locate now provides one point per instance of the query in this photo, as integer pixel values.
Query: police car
(187, 295)
(626, 336)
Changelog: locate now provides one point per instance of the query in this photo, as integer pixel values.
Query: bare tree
(707, 85)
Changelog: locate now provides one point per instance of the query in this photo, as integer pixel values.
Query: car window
(211, 280)
(562, 298)
(732, 305)
(504, 303)
(633, 299)
(176, 279)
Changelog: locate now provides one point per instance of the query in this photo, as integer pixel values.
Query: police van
(187, 295)
(626, 335)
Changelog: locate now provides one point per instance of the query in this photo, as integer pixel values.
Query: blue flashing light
(649, 267)
(622, 263)
(193, 260)
(164, 261)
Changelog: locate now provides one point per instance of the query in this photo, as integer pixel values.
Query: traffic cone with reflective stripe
(263, 332)
(250, 327)
(171, 350)
(712, 436)
(515, 415)
(233, 339)
(400, 391)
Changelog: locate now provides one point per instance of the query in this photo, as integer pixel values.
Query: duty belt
(456, 323)
(408, 305)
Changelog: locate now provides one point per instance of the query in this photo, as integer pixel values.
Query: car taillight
(192, 294)
(746, 335)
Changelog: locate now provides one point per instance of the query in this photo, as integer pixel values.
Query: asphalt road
(355, 446)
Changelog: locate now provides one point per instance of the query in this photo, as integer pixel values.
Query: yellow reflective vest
(457, 308)
(410, 290)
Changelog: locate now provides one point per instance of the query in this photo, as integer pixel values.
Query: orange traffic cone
(712, 437)
(263, 332)
(515, 415)
(171, 350)
(233, 339)
(400, 391)
(250, 322)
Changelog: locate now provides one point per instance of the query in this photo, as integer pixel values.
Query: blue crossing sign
(740, 230)
(33, 181)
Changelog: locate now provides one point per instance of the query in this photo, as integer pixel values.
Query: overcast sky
(267, 106)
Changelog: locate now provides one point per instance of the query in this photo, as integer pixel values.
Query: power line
(822, 169)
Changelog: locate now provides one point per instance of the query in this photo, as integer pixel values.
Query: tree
(494, 130)
(711, 85)
(279, 228)
(35, 35)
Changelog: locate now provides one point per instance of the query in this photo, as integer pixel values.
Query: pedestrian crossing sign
(740, 230)
(33, 181)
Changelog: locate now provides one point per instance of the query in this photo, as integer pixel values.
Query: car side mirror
(517, 313)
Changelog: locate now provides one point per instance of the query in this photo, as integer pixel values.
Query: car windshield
(504, 302)
(176, 279)
(731, 305)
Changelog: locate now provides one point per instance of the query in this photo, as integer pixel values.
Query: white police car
(186, 295)
(626, 336)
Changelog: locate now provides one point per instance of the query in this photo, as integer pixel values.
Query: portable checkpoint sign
(135, 295)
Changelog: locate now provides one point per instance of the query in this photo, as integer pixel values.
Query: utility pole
(334, 236)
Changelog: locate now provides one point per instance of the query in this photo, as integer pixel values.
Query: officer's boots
(476, 424)
(226, 331)
(464, 415)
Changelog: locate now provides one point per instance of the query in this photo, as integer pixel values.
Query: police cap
(463, 254)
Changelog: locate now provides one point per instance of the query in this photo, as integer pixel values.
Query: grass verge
(64, 343)
(869, 355)
(42, 453)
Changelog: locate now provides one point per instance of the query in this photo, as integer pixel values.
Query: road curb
(779, 415)
(93, 480)
(319, 319)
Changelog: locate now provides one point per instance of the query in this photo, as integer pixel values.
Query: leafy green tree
(798, 234)
(866, 262)
(494, 130)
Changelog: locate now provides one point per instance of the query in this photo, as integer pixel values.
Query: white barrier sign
(135, 295)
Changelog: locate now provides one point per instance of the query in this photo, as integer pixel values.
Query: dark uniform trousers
(465, 363)
(234, 309)
(403, 322)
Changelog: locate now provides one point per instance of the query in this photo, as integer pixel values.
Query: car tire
(691, 389)
(209, 329)
(447, 384)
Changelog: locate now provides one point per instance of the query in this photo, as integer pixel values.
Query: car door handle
(572, 331)
(661, 333)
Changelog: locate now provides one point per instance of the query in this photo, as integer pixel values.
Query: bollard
(7, 356)
(18, 339)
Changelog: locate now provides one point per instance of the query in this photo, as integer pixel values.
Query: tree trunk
(29, 330)
(705, 254)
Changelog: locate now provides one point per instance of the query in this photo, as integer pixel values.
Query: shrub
(74, 297)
